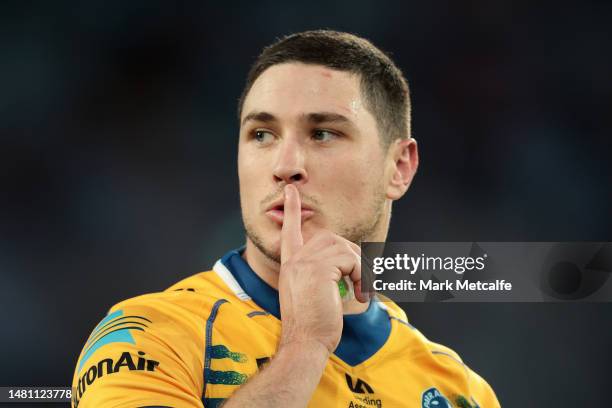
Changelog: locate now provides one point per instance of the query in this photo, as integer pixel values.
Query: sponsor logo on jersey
(432, 398)
(114, 328)
(108, 366)
(359, 387)
(365, 402)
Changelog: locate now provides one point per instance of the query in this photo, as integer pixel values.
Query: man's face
(308, 125)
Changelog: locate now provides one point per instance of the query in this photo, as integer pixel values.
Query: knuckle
(331, 238)
(348, 249)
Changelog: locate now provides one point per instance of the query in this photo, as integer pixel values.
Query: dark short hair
(382, 84)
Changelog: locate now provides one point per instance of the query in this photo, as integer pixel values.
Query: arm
(288, 380)
(138, 356)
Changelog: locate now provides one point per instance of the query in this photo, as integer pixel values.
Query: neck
(268, 271)
(263, 266)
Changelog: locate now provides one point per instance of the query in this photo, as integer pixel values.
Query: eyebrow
(314, 117)
(259, 117)
(326, 117)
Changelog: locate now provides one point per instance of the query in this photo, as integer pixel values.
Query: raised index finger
(291, 233)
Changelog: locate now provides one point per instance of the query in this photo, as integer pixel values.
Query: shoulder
(439, 358)
(451, 362)
(157, 338)
(191, 298)
(177, 311)
(448, 359)
(419, 344)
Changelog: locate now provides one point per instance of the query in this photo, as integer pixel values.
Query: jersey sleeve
(148, 351)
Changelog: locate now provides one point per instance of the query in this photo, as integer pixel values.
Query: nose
(289, 167)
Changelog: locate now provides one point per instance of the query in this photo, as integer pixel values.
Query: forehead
(294, 88)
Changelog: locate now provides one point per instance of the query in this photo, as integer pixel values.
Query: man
(324, 150)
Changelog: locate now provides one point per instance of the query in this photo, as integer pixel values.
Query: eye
(263, 136)
(321, 135)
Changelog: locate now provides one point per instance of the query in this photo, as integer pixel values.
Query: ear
(403, 161)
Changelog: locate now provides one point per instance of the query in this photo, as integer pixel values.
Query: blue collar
(362, 334)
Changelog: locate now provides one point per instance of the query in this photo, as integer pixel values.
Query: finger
(355, 274)
(291, 233)
(354, 252)
(342, 255)
(360, 295)
(356, 248)
(335, 247)
(349, 264)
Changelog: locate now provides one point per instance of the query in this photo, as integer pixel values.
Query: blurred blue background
(118, 177)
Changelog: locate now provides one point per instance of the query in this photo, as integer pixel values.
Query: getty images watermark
(488, 271)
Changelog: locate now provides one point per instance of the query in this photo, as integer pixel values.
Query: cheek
(254, 175)
(252, 164)
(352, 183)
(247, 176)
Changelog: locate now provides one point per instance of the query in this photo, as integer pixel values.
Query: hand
(311, 308)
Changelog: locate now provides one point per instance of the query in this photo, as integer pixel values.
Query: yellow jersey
(195, 343)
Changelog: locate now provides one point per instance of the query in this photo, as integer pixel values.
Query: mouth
(277, 213)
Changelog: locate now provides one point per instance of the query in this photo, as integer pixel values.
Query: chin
(270, 246)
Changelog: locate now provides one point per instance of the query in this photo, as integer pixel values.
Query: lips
(276, 213)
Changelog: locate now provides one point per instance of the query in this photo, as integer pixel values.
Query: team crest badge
(432, 398)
